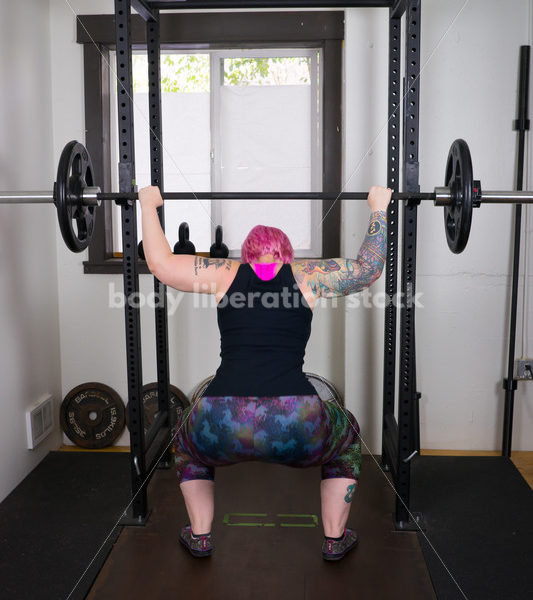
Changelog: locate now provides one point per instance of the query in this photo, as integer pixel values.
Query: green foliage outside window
(267, 71)
(190, 72)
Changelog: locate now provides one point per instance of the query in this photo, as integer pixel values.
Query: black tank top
(264, 327)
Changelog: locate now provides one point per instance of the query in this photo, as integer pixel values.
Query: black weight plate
(74, 174)
(92, 415)
(177, 401)
(325, 390)
(459, 178)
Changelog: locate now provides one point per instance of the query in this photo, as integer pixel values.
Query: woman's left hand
(150, 197)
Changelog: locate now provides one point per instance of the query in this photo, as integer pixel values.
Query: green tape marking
(228, 516)
(295, 516)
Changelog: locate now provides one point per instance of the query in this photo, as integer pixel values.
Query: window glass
(233, 120)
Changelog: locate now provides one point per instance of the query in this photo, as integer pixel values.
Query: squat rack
(399, 438)
(75, 198)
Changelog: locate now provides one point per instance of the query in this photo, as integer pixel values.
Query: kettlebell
(183, 245)
(218, 249)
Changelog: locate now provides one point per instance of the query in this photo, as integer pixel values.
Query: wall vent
(39, 421)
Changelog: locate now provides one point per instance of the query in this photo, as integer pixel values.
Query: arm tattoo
(201, 262)
(344, 276)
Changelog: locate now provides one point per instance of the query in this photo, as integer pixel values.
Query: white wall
(29, 325)
(464, 328)
(468, 89)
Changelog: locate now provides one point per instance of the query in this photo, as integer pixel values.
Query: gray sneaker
(198, 546)
(336, 549)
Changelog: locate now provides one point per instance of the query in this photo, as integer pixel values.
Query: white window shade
(186, 160)
(297, 218)
(263, 147)
(267, 140)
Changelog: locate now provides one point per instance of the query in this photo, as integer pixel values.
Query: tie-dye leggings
(299, 431)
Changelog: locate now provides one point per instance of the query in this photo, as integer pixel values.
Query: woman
(259, 405)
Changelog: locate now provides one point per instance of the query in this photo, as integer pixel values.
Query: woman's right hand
(379, 198)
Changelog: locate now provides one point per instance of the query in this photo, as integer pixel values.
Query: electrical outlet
(524, 368)
(39, 421)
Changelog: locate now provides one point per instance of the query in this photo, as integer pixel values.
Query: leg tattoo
(351, 490)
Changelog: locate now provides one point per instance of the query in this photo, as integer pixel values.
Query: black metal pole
(407, 387)
(105, 196)
(252, 4)
(521, 125)
(156, 164)
(391, 268)
(139, 506)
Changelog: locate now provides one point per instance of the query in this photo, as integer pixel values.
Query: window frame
(324, 29)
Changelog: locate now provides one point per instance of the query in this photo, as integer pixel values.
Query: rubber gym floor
(59, 538)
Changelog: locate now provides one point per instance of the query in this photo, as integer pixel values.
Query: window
(248, 118)
(233, 120)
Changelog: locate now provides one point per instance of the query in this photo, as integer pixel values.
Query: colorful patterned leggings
(298, 431)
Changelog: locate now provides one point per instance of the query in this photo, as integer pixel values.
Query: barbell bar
(92, 196)
(76, 197)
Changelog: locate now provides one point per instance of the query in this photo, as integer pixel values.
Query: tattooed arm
(344, 276)
(182, 272)
(198, 274)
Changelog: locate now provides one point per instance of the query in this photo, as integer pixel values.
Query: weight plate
(325, 390)
(177, 402)
(200, 389)
(460, 179)
(92, 415)
(74, 174)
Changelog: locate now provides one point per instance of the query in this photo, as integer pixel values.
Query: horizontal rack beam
(232, 4)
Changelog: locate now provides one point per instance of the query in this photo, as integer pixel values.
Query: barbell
(76, 197)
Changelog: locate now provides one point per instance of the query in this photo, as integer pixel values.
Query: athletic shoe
(198, 546)
(336, 549)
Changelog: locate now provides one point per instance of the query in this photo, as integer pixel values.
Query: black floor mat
(479, 517)
(54, 522)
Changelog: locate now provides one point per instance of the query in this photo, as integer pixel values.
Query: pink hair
(266, 240)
